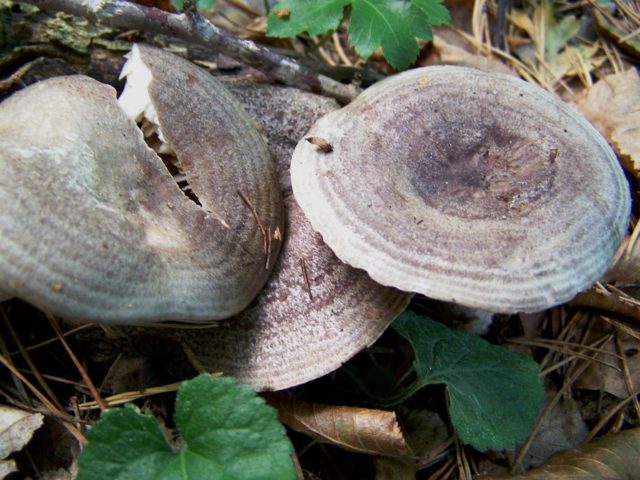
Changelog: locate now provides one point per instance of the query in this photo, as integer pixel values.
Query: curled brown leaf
(612, 106)
(370, 431)
(613, 457)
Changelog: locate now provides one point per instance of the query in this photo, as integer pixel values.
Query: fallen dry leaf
(611, 379)
(561, 429)
(626, 269)
(423, 430)
(555, 51)
(613, 457)
(451, 54)
(614, 301)
(612, 105)
(394, 469)
(16, 429)
(374, 432)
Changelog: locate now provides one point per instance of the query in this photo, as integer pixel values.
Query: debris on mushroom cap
(95, 228)
(465, 186)
(285, 114)
(312, 316)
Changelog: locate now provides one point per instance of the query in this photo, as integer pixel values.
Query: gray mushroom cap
(93, 226)
(313, 315)
(284, 113)
(315, 312)
(465, 186)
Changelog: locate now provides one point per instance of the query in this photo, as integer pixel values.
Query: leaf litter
(612, 105)
(561, 65)
(16, 429)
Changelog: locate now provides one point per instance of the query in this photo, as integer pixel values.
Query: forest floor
(588, 350)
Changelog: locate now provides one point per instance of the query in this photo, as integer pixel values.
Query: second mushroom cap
(465, 186)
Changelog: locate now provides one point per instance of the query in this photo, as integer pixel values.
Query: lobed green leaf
(436, 12)
(228, 432)
(393, 25)
(289, 18)
(495, 395)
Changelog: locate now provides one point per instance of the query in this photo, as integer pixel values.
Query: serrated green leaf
(393, 25)
(291, 17)
(495, 395)
(228, 432)
(437, 14)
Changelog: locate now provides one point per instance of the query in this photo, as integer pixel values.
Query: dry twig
(194, 28)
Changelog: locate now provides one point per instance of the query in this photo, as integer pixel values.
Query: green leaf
(559, 35)
(495, 395)
(393, 25)
(205, 4)
(228, 432)
(291, 17)
(437, 14)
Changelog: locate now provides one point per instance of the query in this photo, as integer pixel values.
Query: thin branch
(194, 28)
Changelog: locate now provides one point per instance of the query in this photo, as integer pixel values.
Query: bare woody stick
(193, 27)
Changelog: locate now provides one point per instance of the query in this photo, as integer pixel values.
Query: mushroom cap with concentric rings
(314, 314)
(94, 228)
(465, 186)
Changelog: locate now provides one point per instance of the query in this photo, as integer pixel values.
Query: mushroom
(94, 227)
(312, 316)
(284, 115)
(465, 186)
(315, 312)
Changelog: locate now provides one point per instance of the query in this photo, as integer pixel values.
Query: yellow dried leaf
(613, 106)
(523, 21)
(577, 60)
(374, 432)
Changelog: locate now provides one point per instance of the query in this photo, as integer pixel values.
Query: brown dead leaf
(374, 432)
(451, 53)
(612, 105)
(613, 457)
(394, 469)
(626, 268)
(424, 431)
(609, 300)
(165, 5)
(561, 429)
(611, 379)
